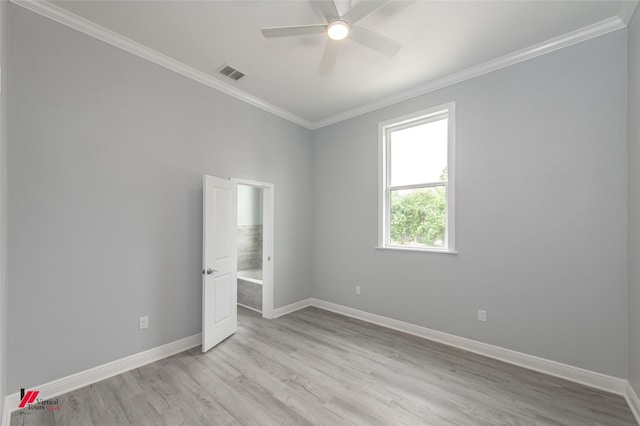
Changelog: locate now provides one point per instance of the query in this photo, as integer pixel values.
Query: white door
(219, 283)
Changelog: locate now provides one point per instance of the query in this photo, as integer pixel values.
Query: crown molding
(76, 22)
(595, 30)
(92, 29)
(627, 8)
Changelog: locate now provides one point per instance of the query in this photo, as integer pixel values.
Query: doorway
(254, 241)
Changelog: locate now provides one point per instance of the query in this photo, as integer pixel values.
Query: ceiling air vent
(230, 72)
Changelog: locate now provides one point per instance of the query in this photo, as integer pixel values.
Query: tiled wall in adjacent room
(249, 247)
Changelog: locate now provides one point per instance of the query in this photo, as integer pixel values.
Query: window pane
(419, 154)
(418, 217)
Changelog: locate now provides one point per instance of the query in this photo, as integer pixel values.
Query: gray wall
(541, 212)
(634, 202)
(106, 157)
(3, 205)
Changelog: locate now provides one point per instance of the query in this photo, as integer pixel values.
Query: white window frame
(384, 188)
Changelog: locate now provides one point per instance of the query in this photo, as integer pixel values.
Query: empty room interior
(319, 212)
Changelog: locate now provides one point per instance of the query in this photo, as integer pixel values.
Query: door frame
(268, 259)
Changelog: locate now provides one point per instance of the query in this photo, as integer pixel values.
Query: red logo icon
(27, 398)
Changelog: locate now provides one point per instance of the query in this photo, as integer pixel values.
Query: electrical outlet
(482, 315)
(143, 322)
(357, 289)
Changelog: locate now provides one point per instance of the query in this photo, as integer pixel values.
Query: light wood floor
(316, 367)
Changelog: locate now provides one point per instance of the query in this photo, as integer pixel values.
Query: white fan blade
(329, 57)
(362, 9)
(328, 9)
(375, 41)
(293, 31)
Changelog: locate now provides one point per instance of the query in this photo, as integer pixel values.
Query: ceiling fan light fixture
(338, 30)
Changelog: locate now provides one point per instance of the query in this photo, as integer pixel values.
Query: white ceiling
(438, 37)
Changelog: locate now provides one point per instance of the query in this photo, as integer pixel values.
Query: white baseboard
(250, 308)
(575, 374)
(634, 402)
(101, 372)
(284, 310)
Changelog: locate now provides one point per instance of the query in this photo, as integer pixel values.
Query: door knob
(211, 271)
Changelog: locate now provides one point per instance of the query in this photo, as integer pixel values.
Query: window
(416, 181)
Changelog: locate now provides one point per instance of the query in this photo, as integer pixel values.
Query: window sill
(415, 249)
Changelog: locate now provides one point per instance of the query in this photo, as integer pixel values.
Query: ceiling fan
(340, 27)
